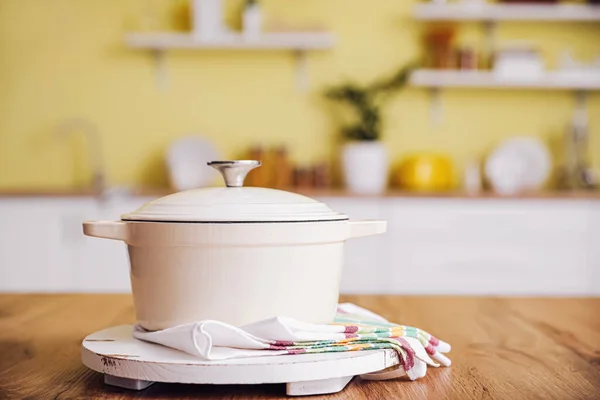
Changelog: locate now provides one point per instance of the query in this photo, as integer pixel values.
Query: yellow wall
(65, 58)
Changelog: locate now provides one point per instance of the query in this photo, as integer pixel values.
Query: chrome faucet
(94, 144)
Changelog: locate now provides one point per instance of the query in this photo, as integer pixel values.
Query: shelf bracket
(160, 72)
(301, 70)
(581, 97)
(436, 110)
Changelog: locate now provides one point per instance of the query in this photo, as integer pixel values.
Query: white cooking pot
(235, 254)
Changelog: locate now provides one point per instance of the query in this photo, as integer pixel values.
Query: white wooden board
(134, 364)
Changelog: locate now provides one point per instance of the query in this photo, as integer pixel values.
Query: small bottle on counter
(260, 176)
(472, 178)
(322, 178)
(304, 178)
(282, 169)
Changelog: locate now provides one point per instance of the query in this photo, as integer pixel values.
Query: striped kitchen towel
(354, 329)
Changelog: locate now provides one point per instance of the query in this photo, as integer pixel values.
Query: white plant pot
(365, 167)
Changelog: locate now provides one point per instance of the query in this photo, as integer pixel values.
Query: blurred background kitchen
(472, 127)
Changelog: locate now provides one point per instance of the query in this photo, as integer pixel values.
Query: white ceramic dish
(186, 161)
(518, 164)
(234, 254)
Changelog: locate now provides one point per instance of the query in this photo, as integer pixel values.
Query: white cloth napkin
(354, 328)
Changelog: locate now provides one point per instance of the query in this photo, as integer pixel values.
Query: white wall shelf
(489, 15)
(506, 12)
(293, 41)
(436, 80)
(488, 80)
(299, 43)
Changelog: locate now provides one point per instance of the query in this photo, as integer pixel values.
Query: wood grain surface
(502, 349)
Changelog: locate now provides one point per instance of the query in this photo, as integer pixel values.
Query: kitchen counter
(321, 193)
(502, 348)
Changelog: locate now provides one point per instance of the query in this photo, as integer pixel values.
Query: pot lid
(234, 203)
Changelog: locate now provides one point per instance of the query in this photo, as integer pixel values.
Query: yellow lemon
(425, 172)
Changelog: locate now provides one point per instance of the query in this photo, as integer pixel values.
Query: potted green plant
(364, 157)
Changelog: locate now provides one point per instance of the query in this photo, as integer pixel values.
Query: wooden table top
(502, 349)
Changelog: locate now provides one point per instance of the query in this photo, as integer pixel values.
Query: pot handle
(116, 230)
(360, 228)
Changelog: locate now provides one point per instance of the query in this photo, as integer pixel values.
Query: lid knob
(234, 172)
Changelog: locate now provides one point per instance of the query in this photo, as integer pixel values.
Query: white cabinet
(475, 246)
(593, 245)
(29, 246)
(42, 247)
(489, 246)
(433, 246)
(363, 258)
(102, 264)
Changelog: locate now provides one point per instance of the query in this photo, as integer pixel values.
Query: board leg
(127, 383)
(321, 386)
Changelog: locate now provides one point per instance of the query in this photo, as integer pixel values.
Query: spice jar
(439, 48)
(304, 178)
(467, 59)
(282, 177)
(322, 172)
